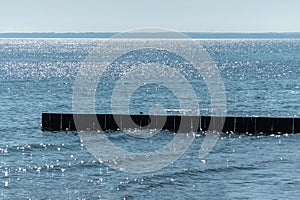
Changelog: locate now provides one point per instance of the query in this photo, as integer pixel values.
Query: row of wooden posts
(110, 122)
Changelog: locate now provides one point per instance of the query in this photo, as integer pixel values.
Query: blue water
(261, 78)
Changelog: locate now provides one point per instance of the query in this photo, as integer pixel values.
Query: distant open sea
(261, 78)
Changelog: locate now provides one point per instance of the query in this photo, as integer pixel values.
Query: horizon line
(169, 34)
(218, 32)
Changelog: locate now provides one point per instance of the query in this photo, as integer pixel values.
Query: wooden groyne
(110, 122)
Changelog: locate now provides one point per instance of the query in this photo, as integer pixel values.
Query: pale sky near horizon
(124, 15)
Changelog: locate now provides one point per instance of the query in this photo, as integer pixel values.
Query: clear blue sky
(123, 15)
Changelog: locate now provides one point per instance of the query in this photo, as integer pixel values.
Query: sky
(125, 15)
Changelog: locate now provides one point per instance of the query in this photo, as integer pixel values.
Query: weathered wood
(106, 122)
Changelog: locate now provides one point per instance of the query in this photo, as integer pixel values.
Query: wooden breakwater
(110, 122)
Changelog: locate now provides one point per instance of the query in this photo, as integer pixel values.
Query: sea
(260, 78)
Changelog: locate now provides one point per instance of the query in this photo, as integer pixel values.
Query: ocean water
(261, 78)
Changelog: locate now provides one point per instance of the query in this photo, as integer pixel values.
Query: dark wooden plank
(68, 122)
(46, 121)
(184, 125)
(297, 125)
(245, 125)
(111, 125)
(55, 122)
(264, 125)
(205, 121)
(228, 125)
(86, 122)
(282, 125)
